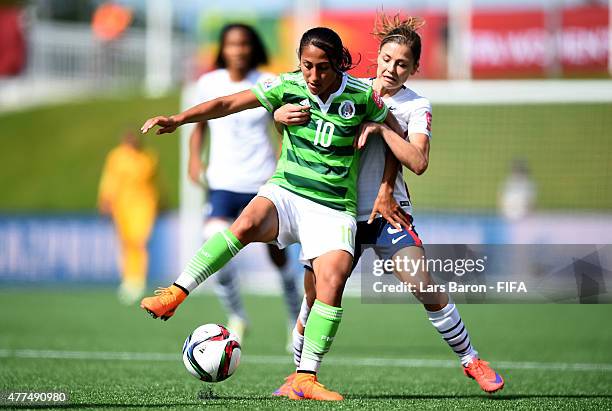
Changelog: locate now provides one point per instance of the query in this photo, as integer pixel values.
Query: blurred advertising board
(505, 43)
(84, 248)
(524, 43)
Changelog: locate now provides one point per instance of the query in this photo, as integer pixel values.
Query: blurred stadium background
(513, 84)
(522, 101)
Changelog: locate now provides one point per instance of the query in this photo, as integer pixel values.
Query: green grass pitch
(552, 356)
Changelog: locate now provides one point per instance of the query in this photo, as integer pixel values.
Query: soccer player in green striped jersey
(318, 160)
(311, 199)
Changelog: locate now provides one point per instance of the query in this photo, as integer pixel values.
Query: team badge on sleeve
(377, 99)
(346, 109)
(270, 83)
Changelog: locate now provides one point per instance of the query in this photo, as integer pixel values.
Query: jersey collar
(325, 106)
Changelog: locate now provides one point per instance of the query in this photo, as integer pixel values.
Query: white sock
(298, 339)
(450, 326)
(298, 343)
(187, 282)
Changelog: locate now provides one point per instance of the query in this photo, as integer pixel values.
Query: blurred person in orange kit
(129, 193)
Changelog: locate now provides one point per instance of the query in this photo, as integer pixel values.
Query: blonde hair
(402, 31)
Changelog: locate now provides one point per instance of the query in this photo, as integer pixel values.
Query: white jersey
(413, 112)
(241, 155)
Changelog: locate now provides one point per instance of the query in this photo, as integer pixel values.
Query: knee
(245, 229)
(332, 279)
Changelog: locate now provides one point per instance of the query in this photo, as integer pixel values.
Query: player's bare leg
(421, 279)
(445, 318)
(331, 272)
(257, 223)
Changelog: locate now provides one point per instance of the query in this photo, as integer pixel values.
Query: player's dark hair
(258, 51)
(395, 30)
(331, 43)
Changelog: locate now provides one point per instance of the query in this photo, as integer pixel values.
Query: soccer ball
(211, 353)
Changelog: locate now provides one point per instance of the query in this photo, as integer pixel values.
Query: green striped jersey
(318, 160)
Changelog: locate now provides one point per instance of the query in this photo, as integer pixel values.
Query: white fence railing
(65, 60)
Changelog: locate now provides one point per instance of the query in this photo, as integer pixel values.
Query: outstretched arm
(219, 107)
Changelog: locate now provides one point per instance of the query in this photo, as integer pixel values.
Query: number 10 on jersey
(324, 134)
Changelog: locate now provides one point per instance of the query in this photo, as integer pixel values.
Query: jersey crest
(346, 109)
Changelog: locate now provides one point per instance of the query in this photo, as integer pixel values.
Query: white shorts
(317, 228)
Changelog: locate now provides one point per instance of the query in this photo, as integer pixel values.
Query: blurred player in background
(398, 59)
(241, 160)
(518, 193)
(129, 193)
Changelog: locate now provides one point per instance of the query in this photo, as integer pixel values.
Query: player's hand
(165, 124)
(292, 114)
(365, 130)
(389, 209)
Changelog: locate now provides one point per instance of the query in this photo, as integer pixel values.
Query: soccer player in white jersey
(310, 199)
(231, 188)
(398, 58)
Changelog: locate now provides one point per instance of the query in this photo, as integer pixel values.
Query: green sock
(321, 328)
(210, 258)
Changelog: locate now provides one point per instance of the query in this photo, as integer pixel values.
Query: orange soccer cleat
(164, 303)
(283, 390)
(306, 387)
(485, 376)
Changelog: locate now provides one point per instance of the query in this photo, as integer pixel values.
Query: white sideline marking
(279, 359)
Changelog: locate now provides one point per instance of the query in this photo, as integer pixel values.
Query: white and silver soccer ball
(211, 353)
